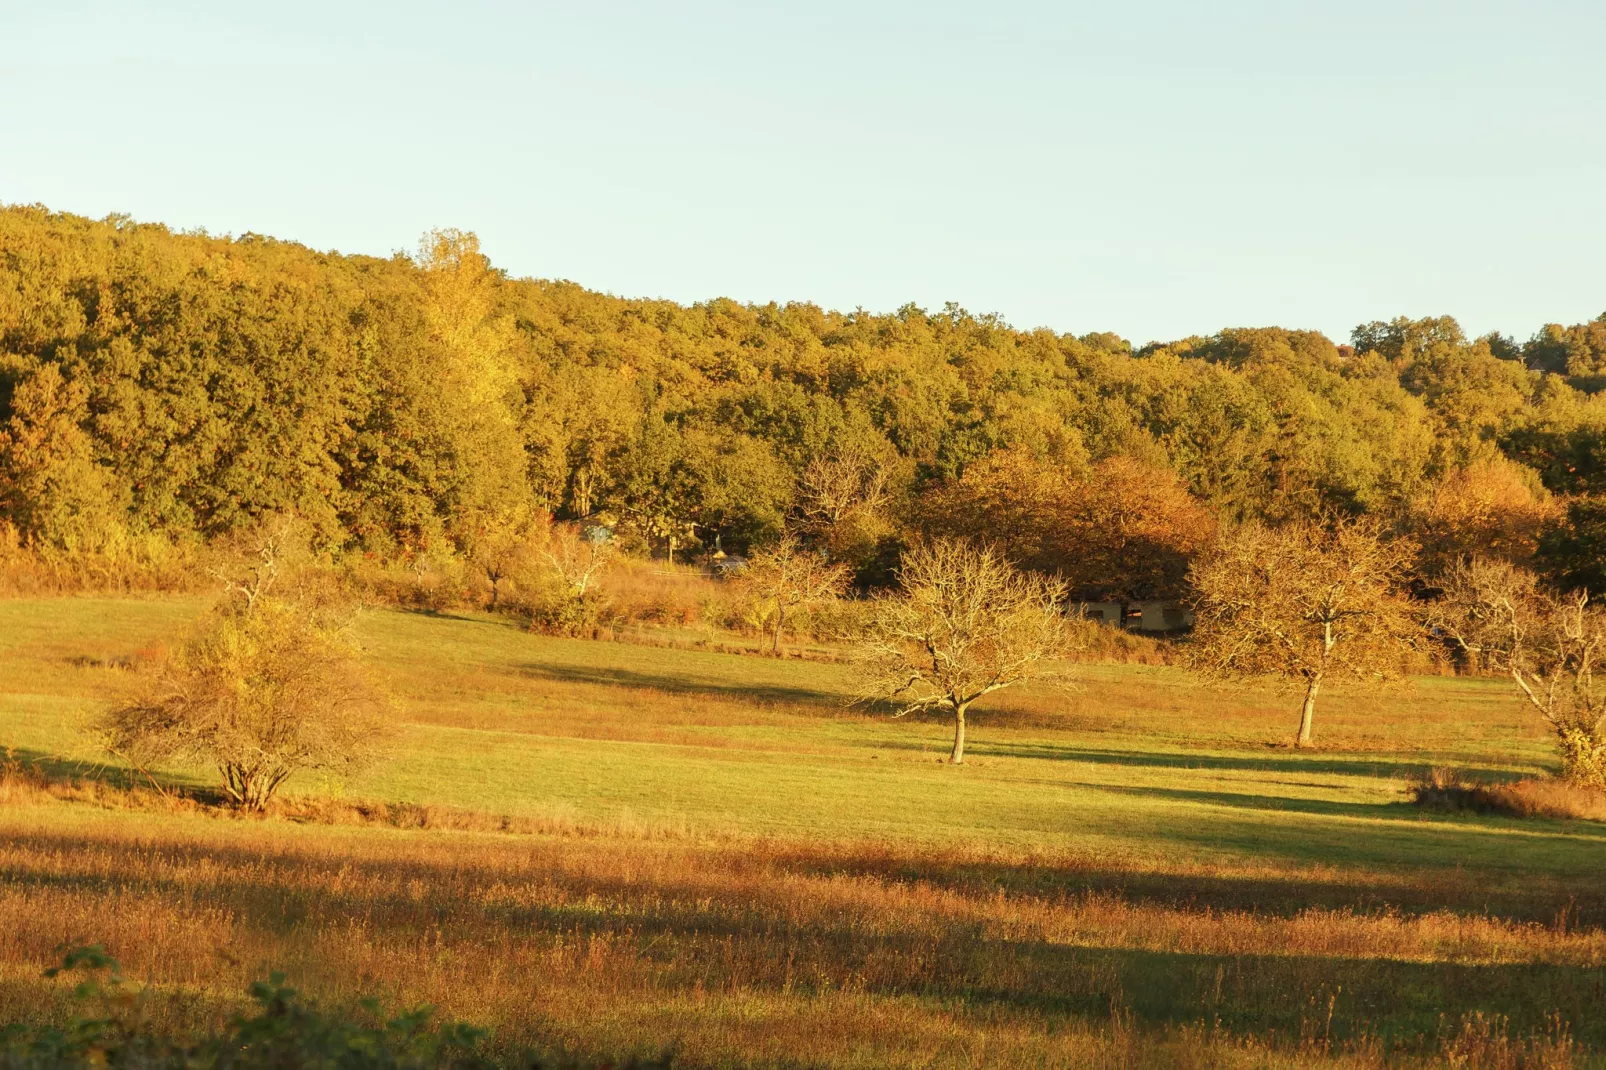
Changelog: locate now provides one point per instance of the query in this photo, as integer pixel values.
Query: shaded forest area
(159, 390)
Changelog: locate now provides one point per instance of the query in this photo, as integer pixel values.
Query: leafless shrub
(785, 579)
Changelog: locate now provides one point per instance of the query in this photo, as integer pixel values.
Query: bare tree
(577, 558)
(840, 485)
(842, 503)
(1305, 601)
(1552, 647)
(965, 624)
(787, 578)
(252, 562)
(262, 690)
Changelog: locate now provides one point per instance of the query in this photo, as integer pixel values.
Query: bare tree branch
(1497, 617)
(965, 624)
(1304, 602)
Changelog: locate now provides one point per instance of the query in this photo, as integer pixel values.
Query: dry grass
(1548, 797)
(780, 953)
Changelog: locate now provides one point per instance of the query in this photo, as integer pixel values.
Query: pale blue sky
(1156, 169)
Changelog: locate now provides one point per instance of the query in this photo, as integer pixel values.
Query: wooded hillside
(156, 385)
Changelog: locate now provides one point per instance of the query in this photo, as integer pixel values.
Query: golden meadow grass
(711, 854)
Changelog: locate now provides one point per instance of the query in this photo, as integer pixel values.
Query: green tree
(1571, 548)
(51, 486)
(655, 491)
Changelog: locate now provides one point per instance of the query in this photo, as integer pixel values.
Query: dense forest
(162, 389)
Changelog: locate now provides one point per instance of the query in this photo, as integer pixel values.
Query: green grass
(1140, 762)
(1177, 806)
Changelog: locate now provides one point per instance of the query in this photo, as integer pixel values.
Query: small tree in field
(1553, 649)
(1303, 602)
(501, 548)
(787, 578)
(261, 694)
(965, 624)
(264, 688)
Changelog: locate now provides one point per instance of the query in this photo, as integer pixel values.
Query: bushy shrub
(262, 690)
(112, 1029)
(563, 579)
(126, 562)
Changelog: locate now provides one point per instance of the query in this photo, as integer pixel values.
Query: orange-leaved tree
(1119, 528)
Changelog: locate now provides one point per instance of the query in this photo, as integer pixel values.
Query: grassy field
(716, 856)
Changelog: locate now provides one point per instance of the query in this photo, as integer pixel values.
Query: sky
(1157, 169)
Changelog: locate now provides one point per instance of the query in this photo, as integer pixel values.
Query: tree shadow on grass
(1280, 761)
(56, 769)
(1277, 803)
(702, 931)
(1400, 810)
(680, 685)
(490, 620)
(1405, 868)
(1408, 1006)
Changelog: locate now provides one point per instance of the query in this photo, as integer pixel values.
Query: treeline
(158, 390)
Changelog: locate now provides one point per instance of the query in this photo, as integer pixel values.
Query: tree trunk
(671, 551)
(958, 756)
(1308, 711)
(780, 622)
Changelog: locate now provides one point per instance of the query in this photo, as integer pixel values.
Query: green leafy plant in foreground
(113, 1029)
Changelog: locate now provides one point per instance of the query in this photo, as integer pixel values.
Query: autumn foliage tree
(1119, 528)
(1493, 507)
(268, 685)
(51, 487)
(964, 624)
(503, 549)
(1304, 602)
(167, 388)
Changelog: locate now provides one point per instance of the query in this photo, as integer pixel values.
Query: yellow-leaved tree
(473, 391)
(268, 684)
(57, 496)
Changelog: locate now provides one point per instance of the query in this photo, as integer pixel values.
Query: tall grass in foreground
(788, 953)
